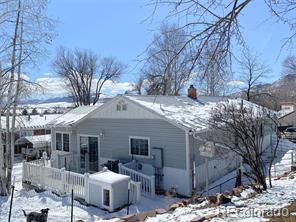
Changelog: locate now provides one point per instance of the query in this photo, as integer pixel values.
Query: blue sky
(117, 28)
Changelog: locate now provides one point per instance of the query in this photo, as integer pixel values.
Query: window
(63, 142)
(121, 106)
(106, 194)
(58, 141)
(139, 146)
(66, 142)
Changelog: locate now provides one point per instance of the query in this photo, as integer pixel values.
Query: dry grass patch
(290, 218)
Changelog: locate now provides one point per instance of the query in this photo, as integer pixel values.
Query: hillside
(272, 94)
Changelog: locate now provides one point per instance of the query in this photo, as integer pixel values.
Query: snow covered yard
(60, 209)
(249, 207)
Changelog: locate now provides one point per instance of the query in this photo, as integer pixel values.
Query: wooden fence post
(86, 187)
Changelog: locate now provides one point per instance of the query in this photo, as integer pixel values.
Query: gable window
(121, 106)
(139, 146)
(63, 142)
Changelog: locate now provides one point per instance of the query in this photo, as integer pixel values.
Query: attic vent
(121, 106)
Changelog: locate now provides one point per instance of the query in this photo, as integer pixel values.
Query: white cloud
(25, 77)
(52, 86)
(114, 88)
(235, 83)
(55, 86)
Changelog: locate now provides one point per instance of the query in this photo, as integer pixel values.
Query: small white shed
(108, 190)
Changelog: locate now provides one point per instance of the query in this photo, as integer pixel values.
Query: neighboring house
(34, 146)
(152, 135)
(287, 107)
(288, 120)
(30, 126)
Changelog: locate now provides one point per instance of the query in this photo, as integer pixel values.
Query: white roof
(74, 115)
(30, 122)
(182, 110)
(37, 141)
(108, 177)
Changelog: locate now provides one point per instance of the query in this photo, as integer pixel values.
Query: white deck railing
(55, 179)
(62, 181)
(147, 182)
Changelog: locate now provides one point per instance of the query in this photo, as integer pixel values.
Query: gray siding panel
(115, 144)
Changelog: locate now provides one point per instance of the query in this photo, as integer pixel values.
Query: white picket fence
(216, 169)
(59, 180)
(147, 182)
(62, 181)
(285, 159)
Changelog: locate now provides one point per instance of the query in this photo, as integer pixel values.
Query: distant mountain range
(273, 94)
(67, 99)
(284, 88)
(281, 90)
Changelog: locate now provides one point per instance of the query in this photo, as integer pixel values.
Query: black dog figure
(37, 217)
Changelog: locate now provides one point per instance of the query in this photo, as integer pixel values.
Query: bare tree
(165, 70)
(24, 30)
(218, 23)
(252, 72)
(109, 70)
(245, 126)
(138, 86)
(78, 68)
(85, 76)
(289, 65)
(212, 75)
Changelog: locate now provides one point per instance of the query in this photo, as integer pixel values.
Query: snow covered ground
(60, 207)
(246, 208)
(243, 208)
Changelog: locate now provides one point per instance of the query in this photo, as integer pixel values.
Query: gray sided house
(151, 134)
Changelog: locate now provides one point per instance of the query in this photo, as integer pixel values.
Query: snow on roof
(108, 177)
(189, 113)
(39, 138)
(184, 111)
(74, 115)
(30, 122)
(37, 141)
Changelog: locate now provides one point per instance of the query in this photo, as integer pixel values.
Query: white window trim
(110, 207)
(99, 146)
(139, 137)
(55, 144)
(120, 105)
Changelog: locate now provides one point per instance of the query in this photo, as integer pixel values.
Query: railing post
(24, 175)
(41, 176)
(292, 159)
(120, 168)
(63, 181)
(86, 187)
(138, 187)
(152, 184)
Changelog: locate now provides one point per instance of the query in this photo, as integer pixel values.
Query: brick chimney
(192, 93)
